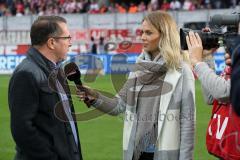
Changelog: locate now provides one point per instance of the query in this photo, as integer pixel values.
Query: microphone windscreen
(72, 72)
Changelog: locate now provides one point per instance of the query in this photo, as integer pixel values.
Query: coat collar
(46, 65)
(52, 71)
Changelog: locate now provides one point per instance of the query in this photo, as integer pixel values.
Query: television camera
(225, 28)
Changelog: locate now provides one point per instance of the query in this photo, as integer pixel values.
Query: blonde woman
(158, 98)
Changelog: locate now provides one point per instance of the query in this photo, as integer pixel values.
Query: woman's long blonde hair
(169, 43)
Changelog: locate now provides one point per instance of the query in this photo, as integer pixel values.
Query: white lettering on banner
(10, 62)
(11, 49)
(78, 36)
(210, 128)
(219, 66)
(74, 49)
(83, 48)
(15, 37)
(3, 62)
(20, 59)
(116, 34)
(220, 128)
(2, 48)
(8, 49)
(16, 49)
(77, 49)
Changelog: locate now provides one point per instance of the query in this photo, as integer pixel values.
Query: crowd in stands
(47, 7)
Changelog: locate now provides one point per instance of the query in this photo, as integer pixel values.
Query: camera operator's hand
(206, 29)
(195, 47)
(228, 60)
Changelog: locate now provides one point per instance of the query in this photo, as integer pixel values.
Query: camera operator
(214, 86)
(220, 139)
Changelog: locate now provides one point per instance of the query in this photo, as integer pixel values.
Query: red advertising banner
(124, 47)
(17, 42)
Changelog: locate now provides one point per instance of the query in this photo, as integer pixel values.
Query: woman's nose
(143, 37)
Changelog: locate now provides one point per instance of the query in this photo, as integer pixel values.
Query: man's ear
(51, 43)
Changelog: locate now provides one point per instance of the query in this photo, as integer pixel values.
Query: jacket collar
(46, 65)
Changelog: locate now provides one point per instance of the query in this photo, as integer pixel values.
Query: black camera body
(229, 36)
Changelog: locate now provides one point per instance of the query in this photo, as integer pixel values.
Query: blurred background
(109, 31)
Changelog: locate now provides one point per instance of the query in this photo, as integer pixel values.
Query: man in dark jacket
(39, 98)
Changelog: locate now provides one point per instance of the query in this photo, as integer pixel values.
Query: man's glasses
(66, 37)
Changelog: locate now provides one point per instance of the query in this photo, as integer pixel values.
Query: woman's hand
(88, 95)
(195, 47)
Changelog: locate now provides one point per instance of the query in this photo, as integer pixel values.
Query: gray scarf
(149, 73)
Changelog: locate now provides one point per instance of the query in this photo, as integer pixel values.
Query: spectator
(51, 10)
(27, 6)
(238, 7)
(141, 7)
(41, 11)
(188, 5)
(149, 7)
(101, 46)
(93, 46)
(11, 9)
(70, 6)
(61, 2)
(19, 7)
(103, 9)
(154, 4)
(207, 4)
(86, 6)
(7, 12)
(133, 8)
(175, 5)
(42, 7)
(2, 8)
(94, 7)
(165, 6)
(79, 6)
(120, 8)
(233, 3)
(112, 8)
(19, 14)
(216, 4)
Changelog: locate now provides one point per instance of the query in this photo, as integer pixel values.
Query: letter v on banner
(210, 126)
(221, 130)
(220, 127)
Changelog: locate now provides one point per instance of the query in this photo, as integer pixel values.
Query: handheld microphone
(73, 74)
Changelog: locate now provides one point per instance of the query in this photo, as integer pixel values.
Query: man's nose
(70, 44)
